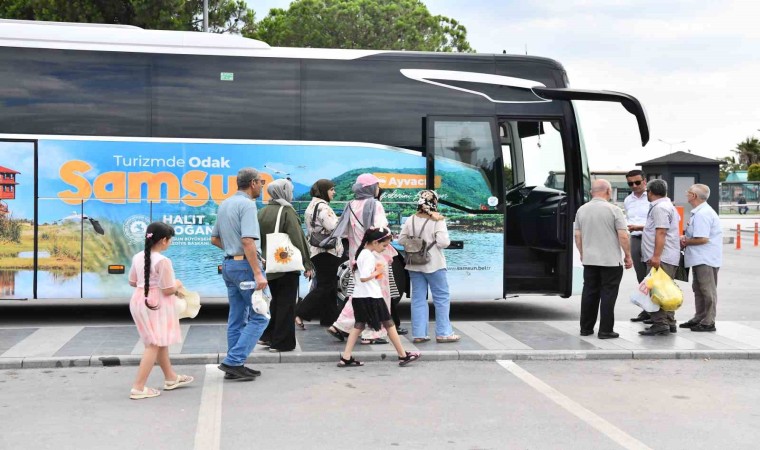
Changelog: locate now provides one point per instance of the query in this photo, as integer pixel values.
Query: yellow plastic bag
(665, 292)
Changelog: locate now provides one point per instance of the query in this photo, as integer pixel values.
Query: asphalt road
(429, 405)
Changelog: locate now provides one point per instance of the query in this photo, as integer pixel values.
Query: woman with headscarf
(321, 219)
(427, 223)
(363, 212)
(280, 335)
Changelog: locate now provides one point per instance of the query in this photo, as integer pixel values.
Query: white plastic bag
(260, 302)
(641, 297)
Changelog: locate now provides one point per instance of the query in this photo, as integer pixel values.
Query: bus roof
(128, 38)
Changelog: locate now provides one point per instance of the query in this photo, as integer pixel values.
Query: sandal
(147, 392)
(374, 341)
(336, 333)
(420, 340)
(445, 339)
(410, 357)
(299, 323)
(349, 362)
(180, 381)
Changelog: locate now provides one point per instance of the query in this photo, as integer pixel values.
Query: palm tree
(748, 151)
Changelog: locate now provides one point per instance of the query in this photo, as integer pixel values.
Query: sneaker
(252, 372)
(237, 371)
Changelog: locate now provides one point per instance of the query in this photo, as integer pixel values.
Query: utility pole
(205, 16)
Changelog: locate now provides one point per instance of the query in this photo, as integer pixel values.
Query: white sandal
(147, 392)
(180, 381)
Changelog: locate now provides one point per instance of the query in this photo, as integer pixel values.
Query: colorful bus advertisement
(95, 197)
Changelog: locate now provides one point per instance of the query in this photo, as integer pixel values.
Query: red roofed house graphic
(7, 187)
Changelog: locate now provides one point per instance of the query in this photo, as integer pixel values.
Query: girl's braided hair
(153, 235)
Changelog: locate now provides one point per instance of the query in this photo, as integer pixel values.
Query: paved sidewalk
(70, 346)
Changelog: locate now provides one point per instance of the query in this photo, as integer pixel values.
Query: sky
(691, 63)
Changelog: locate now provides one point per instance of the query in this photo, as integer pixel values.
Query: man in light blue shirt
(660, 248)
(703, 253)
(236, 231)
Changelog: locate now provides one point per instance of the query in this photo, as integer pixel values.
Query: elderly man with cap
(600, 233)
(661, 248)
(703, 253)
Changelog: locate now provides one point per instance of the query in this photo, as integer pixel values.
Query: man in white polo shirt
(636, 210)
(600, 233)
(703, 253)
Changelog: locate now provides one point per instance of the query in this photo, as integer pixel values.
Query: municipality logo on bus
(135, 228)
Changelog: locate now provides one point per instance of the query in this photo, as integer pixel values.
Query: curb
(331, 357)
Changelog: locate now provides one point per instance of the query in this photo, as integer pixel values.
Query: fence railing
(734, 208)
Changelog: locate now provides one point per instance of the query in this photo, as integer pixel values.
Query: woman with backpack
(326, 256)
(424, 236)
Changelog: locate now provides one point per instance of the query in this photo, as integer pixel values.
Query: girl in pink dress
(153, 310)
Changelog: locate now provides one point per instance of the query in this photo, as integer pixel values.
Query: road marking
(139, 347)
(43, 342)
(608, 429)
(737, 332)
(573, 329)
(208, 432)
(489, 336)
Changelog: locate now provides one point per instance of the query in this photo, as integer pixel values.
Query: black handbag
(322, 240)
(682, 273)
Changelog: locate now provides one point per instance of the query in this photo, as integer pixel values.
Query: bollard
(755, 234)
(738, 237)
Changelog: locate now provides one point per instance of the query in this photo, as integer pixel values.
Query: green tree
(728, 164)
(361, 24)
(225, 16)
(753, 172)
(748, 151)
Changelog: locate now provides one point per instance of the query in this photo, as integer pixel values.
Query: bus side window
(506, 150)
(543, 154)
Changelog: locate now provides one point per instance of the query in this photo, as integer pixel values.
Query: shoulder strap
(314, 216)
(354, 214)
(423, 227)
(277, 223)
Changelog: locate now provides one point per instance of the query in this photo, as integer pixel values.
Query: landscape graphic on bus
(124, 185)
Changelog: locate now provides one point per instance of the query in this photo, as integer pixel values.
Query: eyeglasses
(637, 183)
